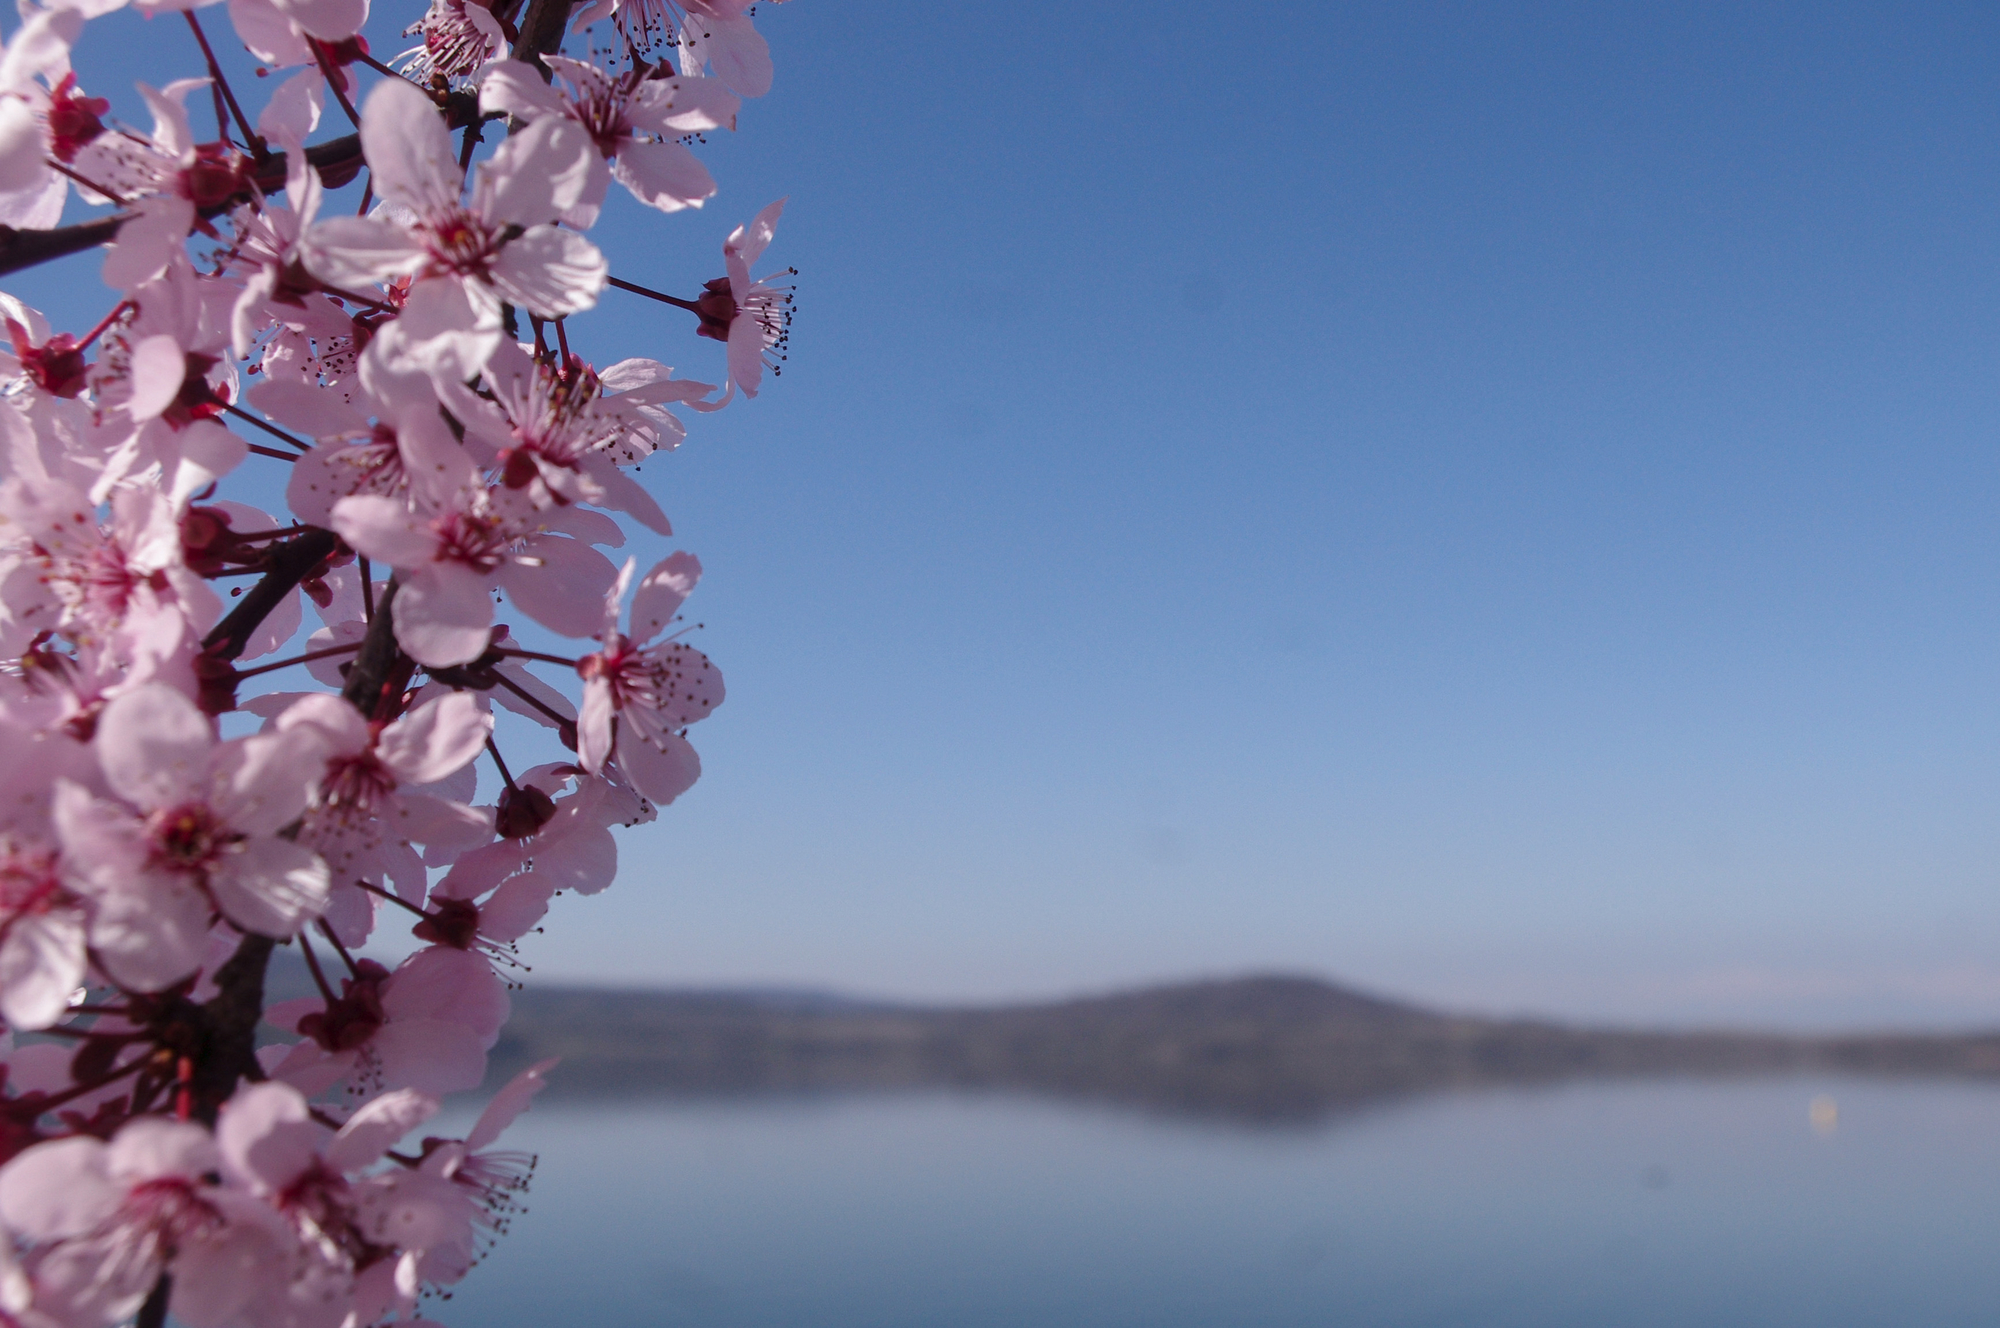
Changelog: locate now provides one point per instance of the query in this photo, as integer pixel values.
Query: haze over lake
(1657, 1202)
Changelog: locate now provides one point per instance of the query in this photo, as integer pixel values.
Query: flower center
(188, 837)
(469, 538)
(28, 882)
(356, 783)
(73, 119)
(56, 366)
(461, 243)
(169, 1210)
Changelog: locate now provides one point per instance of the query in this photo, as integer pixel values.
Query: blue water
(1668, 1203)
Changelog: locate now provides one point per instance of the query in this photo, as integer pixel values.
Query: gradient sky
(1495, 506)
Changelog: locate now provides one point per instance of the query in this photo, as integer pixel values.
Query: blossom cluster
(173, 814)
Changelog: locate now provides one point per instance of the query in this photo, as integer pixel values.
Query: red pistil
(73, 119)
(455, 922)
(56, 366)
(355, 1015)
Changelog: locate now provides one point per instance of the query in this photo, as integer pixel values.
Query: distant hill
(1266, 1048)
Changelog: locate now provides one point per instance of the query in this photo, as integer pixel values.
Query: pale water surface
(1708, 1203)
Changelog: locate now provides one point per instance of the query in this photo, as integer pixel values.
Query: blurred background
(1494, 504)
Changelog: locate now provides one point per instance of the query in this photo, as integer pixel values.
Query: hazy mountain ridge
(1256, 1047)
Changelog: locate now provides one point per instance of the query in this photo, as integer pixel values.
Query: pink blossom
(717, 33)
(360, 804)
(107, 1219)
(197, 833)
(42, 930)
(633, 120)
(466, 258)
(637, 697)
(449, 556)
(550, 438)
(63, 571)
(356, 1239)
(412, 389)
(38, 123)
(490, 1179)
(460, 36)
(167, 179)
(428, 1025)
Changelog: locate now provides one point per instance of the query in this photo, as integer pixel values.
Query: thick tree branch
(542, 32)
(228, 1052)
(381, 667)
(338, 161)
(290, 563)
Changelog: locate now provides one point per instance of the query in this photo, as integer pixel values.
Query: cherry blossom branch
(514, 652)
(271, 429)
(29, 248)
(337, 160)
(334, 80)
(228, 1028)
(289, 564)
(652, 294)
(396, 899)
(326, 930)
(306, 658)
(542, 32)
(273, 452)
(251, 138)
(493, 750)
(312, 962)
(381, 669)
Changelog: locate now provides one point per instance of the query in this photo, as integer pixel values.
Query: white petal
(661, 594)
(154, 746)
(663, 175)
(359, 251)
(384, 529)
(158, 369)
(374, 1129)
(157, 231)
(152, 934)
(516, 87)
(270, 36)
(747, 243)
(41, 963)
(270, 886)
(57, 1189)
(662, 773)
(444, 615)
(549, 272)
(294, 109)
(435, 739)
(328, 20)
(566, 592)
(408, 148)
(21, 146)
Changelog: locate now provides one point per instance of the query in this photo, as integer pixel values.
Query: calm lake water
(1703, 1203)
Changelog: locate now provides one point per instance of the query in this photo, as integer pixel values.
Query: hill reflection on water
(1250, 1049)
(1638, 1202)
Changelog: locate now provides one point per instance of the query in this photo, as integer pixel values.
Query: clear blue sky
(1497, 506)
